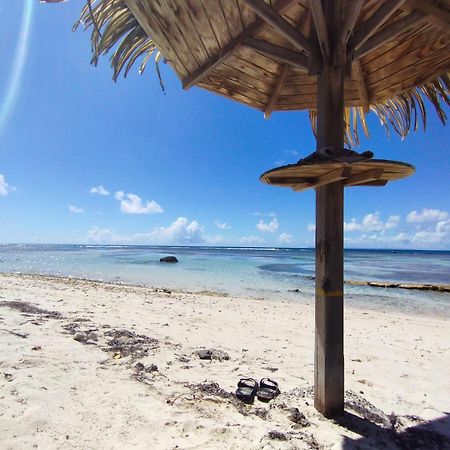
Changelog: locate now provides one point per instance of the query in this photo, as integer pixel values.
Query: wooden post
(329, 307)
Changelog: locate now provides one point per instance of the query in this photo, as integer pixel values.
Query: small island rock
(169, 259)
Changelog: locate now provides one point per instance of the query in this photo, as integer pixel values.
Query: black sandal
(246, 391)
(268, 390)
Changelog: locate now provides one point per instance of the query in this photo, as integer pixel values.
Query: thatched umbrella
(337, 58)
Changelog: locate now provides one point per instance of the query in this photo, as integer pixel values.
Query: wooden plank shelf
(307, 175)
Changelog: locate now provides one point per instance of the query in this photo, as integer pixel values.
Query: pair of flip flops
(248, 389)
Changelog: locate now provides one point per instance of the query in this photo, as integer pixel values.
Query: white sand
(57, 392)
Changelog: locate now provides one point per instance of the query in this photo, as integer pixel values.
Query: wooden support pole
(329, 304)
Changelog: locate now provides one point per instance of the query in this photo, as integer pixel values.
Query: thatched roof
(398, 51)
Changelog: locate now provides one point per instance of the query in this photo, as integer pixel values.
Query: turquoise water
(249, 272)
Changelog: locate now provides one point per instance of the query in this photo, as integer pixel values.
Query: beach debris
(262, 413)
(298, 417)
(29, 309)
(141, 371)
(139, 367)
(366, 410)
(210, 389)
(80, 337)
(128, 343)
(86, 337)
(15, 333)
(36, 348)
(212, 353)
(8, 376)
(278, 435)
(168, 259)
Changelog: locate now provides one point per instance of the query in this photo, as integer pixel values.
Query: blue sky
(87, 160)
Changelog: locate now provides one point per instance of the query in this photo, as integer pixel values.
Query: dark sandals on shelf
(268, 390)
(246, 391)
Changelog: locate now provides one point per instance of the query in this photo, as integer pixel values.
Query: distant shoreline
(378, 284)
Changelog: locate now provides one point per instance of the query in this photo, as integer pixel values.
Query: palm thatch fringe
(401, 113)
(113, 24)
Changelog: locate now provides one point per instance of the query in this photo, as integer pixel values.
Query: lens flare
(20, 56)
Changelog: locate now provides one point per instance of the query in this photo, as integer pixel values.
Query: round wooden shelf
(306, 175)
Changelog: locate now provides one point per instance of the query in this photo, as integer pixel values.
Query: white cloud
(284, 238)
(103, 235)
(222, 225)
(371, 222)
(100, 190)
(251, 240)
(269, 227)
(311, 227)
(392, 222)
(438, 235)
(181, 231)
(132, 204)
(427, 215)
(74, 209)
(379, 240)
(5, 188)
(259, 213)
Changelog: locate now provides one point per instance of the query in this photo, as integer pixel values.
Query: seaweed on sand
(28, 308)
(128, 343)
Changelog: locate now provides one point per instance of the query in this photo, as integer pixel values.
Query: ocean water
(272, 273)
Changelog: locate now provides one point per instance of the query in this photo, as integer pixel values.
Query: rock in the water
(169, 259)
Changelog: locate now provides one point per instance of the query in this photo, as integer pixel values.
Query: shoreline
(89, 364)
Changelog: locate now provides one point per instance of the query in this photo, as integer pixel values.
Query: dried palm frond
(401, 113)
(114, 25)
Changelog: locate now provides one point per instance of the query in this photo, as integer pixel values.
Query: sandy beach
(87, 364)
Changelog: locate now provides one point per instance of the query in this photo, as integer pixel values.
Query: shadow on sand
(392, 432)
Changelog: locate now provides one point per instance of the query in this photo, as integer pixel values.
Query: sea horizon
(264, 247)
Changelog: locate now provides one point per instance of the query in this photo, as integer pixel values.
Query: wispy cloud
(268, 227)
(99, 190)
(133, 204)
(5, 188)
(251, 240)
(427, 215)
(105, 235)
(284, 238)
(372, 222)
(311, 227)
(74, 209)
(222, 225)
(289, 156)
(263, 214)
